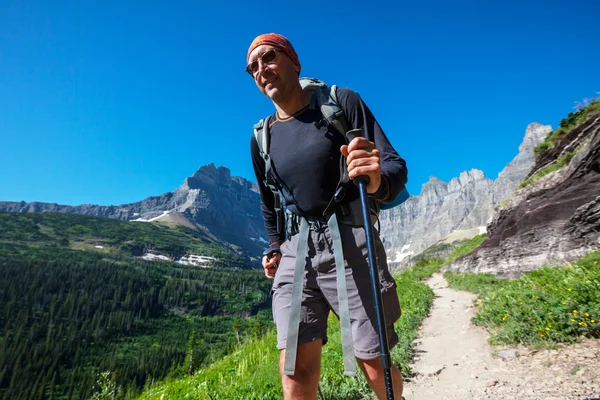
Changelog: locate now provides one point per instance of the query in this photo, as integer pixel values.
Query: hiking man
(300, 169)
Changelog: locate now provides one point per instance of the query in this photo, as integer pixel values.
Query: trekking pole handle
(351, 135)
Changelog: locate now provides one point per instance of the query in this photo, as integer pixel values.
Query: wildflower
(574, 311)
(541, 334)
(569, 289)
(587, 315)
(572, 320)
(548, 328)
(593, 322)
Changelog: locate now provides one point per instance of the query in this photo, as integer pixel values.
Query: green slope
(131, 238)
(69, 311)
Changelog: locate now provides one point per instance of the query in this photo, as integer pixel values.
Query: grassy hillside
(544, 306)
(131, 238)
(251, 372)
(69, 311)
(573, 120)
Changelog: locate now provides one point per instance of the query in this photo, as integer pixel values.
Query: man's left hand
(362, 158)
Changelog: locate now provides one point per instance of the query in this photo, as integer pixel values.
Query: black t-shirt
(305, 158)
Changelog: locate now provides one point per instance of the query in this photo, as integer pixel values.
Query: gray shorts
(320, 291)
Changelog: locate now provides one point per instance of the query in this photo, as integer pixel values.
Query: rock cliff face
(464, 203)
(212, 200)
(554, 219)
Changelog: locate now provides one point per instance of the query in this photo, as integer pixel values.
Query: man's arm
(394, 173)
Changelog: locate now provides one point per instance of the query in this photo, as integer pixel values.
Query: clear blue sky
(109, 102)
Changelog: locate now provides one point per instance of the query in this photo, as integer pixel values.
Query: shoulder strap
(332, 111)
(262, 137)
(326, 99)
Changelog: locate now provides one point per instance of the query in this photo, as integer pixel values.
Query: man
(304, 163)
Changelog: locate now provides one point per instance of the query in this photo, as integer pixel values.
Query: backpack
(326, 99)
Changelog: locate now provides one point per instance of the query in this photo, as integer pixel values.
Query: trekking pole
(386, 360)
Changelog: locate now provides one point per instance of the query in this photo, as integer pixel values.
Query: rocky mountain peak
(466, 178)
(216, 173)
(534, 135)
(210, 200)
(466, 203)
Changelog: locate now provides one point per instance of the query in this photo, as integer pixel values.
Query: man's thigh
(360, 295)
(314, 311)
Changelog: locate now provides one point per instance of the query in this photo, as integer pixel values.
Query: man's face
(274, 79)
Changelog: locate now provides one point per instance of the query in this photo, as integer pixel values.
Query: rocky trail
(453, 360)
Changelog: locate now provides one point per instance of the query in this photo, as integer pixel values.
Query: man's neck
(292, 104)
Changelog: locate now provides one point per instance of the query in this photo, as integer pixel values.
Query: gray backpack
(326, 99)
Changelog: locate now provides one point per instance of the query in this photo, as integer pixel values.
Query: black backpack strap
(261, 134)
(325, 98)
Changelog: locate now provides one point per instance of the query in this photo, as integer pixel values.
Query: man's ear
(297, 68)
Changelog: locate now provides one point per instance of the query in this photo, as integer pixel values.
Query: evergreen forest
(76, 301)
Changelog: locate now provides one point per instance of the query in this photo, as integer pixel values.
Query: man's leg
(373, 371)
(304, 384)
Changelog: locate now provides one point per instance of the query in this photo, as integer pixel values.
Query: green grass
(476, 283)
(465, 247)
(573, 120)
(251, 372)
(562, 162)
(545, 306)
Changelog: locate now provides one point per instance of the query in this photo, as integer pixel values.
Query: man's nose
(262, 67)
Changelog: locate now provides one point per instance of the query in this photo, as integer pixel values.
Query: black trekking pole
(386, 360)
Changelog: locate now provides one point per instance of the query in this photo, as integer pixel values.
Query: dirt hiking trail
(453, 360)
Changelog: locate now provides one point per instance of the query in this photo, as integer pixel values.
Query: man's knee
(373, 370)
(308, 361)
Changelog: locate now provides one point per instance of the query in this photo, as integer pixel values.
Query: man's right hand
(270, 263)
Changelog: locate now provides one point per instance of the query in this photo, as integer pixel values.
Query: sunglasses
(268, 57)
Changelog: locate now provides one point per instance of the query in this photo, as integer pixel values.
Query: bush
(573, 120)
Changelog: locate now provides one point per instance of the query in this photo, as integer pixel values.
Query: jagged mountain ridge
(464, 203)
(211, 200)
(228, 208)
